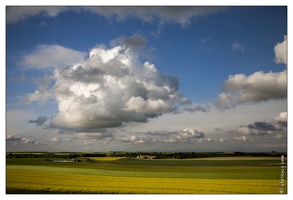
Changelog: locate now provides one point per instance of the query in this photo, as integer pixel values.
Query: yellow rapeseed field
(104, 158)
(52, 182)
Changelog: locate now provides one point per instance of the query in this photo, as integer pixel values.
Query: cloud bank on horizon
(104, 95)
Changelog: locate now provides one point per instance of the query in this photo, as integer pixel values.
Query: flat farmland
(144, 176)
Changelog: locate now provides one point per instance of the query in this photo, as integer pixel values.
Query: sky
(146, 78)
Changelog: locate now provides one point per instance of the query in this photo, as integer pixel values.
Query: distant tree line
(159, 155)
(185, 155)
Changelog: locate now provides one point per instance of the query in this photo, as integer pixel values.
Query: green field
(249, 175)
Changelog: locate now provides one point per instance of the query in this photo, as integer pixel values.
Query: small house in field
(146, 157)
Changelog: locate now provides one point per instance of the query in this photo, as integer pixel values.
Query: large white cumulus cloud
(112, 86)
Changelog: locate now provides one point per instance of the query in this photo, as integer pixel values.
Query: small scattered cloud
(237, 46)
(253, 129)
(12, 138)
(190, 133)
(281, 51)
(26, 140)
(278, 136)
(51, 56)
(42, 82)
(205, 44)
(43, 24)
(205, 140)
(281, 119)
(265, 128)
(56, 141)
(20, 78)
(195, 108)
(39, 121)
(136, 140)
(95, 136)
(88, 143)
(185, 135)
(223, 140)
(185, 101)
(241, 138)
(159, 133)
(39, 97)
(135, 42)
(41, 143)
(204, 40)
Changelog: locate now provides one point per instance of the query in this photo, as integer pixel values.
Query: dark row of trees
(159, 155)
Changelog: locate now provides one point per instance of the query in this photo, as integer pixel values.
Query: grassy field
(142, 176)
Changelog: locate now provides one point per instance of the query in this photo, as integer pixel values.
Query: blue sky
(146, 78)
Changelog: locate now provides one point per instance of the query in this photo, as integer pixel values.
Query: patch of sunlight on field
(105, 158)
(51, 182)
